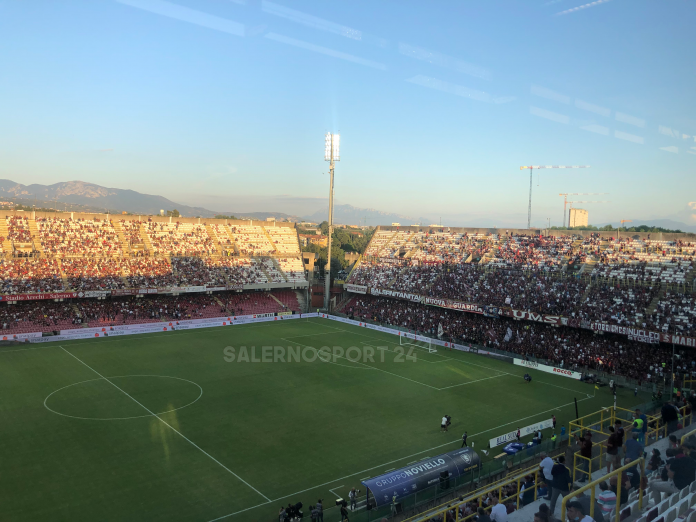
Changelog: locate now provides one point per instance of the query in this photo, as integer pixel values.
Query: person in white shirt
(443, 426)
(499, 511)
(546, 466)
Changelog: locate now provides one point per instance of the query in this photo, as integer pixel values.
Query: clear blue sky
(224, 103)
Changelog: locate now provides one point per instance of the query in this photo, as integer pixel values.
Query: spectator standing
(586, 452)
(561, 481)
(546, 466)
(670, 417)
(498, 512)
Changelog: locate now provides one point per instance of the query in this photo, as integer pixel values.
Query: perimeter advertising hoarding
(548, 369)
(421, 475)
(527, 430)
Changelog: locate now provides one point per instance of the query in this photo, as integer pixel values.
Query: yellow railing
(687, 435)
(592, 484)
(590, 469)
(479, 494)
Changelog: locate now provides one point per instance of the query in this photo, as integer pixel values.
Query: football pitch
(167, 427)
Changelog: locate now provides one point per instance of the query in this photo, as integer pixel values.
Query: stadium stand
(78, 237)
(49, 252)
(571, 348)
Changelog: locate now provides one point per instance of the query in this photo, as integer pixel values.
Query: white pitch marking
(166, 424)
(387, 463)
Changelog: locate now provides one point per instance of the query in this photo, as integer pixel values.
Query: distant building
(396, 224)
(270, 219)
(578, 217)
(307, 239)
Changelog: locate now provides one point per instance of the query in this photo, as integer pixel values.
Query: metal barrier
(590, 468)
(592, 484)
(479, 494)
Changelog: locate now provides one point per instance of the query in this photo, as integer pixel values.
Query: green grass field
(161, 427)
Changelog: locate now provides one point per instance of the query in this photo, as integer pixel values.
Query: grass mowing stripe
(165, 423)
(368, 366)
(392, 462)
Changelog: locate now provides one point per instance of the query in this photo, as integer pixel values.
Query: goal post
(424, 344)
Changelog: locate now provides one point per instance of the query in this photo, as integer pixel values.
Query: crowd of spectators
(51, 316)
(252, 241)
(148, 273)
(18, 229)
(23, 276)
(675, 313)
(196, 271)
(617, 304)
(86, 273)
(78, 237)
(572, 348)
(131, 231)
(179, 239)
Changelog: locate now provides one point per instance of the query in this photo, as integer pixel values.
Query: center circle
(123, 392)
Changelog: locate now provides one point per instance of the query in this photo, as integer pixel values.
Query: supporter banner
(215, 288)
(547, 369)
(356, 289)
(97, 293)
(634, 334)
(186, 289)
(40, 297)
(235, 287)
(678, 339)
(533, 316)
(284, 313)
(133, 291)
(527, 430)
(438, 342)
(491, 311)
(393, 293)
(452, 304)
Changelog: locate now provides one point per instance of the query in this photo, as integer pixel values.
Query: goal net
(426, 344)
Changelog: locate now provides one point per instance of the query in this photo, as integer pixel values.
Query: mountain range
(89, 197)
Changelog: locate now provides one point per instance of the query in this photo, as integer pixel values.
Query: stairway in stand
(66, 283)
(215, 238)
(277, 267)
(302, 300)
(4, 233)
(125, 247)
(35, 236)
(275, 299)
(270, 240)
(146, 239)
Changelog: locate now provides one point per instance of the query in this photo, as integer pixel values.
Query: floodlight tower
(332, 154)
(531, 170)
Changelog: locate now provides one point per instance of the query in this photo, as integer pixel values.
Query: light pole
(531, 170)
(332, 154)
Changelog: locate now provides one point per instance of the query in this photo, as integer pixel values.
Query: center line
(166, 424)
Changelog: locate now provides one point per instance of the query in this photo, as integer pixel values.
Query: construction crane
(618, 236)
(565, 201)
(531, 171)
(571, 208)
